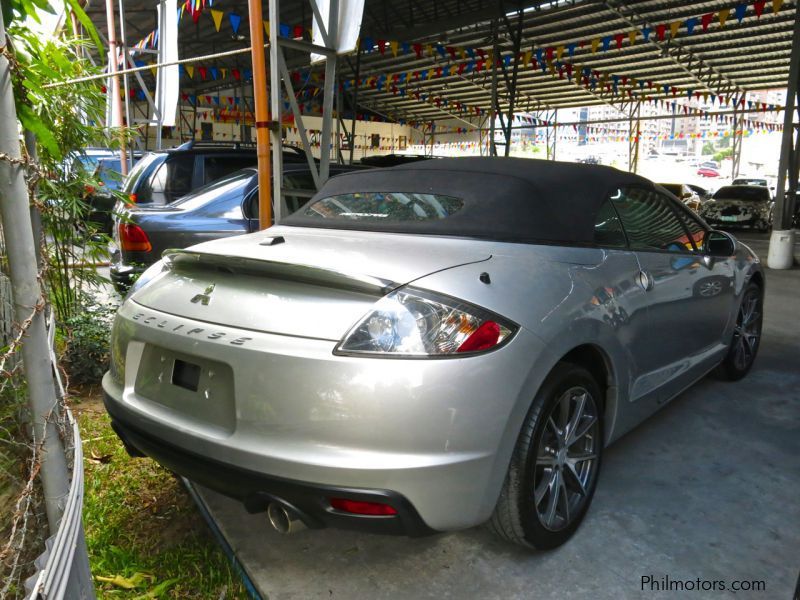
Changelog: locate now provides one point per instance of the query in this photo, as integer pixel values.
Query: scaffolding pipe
(275, 106)
(113, 91)
(126, 165)
(261, 112)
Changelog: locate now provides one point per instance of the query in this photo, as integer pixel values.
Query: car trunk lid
(298, 282)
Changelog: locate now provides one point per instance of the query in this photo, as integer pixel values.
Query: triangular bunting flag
(723, 16)
(216, 15)
(189, 70)
(235, 20)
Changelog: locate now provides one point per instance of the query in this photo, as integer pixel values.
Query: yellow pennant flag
(595, 44)
(224, 73)
(463, 53)
(266, 28)
(776, 5)
(217, 16)
(394, 46)
(673, 28)
(632, 37)
(189, 70)
(154, 71)
(723, 16)
(429, 50)
(527, 58)
(430, 73)
(559, 52)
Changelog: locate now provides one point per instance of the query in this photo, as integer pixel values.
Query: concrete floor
(708, 488)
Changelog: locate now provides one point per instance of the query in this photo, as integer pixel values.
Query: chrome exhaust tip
(283, 520)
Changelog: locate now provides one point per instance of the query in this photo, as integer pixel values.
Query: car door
(683, 332)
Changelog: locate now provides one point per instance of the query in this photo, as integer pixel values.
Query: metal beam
(781, 246)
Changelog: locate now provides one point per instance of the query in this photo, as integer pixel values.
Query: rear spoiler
(253, 267)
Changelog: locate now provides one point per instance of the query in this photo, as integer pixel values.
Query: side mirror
(719, 244)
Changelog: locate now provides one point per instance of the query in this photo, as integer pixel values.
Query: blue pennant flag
(741, 9)
(235, 20)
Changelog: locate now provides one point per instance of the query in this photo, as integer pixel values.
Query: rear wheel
(556, 462)
(746, 336)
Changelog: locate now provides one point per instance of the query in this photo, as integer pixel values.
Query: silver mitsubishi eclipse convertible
(432, 346)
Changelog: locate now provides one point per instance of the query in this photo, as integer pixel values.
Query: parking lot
(705, 492)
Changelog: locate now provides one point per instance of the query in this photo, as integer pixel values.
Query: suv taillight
(132, 238)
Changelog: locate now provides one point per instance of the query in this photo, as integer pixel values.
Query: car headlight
(149, 275)
(417, 324)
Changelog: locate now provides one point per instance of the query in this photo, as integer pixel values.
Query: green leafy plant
(86, 342)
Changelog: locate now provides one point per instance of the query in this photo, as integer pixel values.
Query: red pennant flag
(705, 20)
(618, 39)
(418, 50)
(660, 31)
(236, 74)
(452, 52)
(382, 46)
(758, 5)
(203, 71)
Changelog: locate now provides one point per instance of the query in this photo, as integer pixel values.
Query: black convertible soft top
(505, 199)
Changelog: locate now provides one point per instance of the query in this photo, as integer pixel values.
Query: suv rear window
(171, 180)
(384, 207)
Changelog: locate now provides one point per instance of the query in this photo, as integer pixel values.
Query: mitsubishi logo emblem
(205, 297)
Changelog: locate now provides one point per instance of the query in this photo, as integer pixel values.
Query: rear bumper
(310, 501)
(123, 276)
(438, 434)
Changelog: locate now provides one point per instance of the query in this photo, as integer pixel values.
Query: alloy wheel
(567, 459)
(711, 288)
(747, 331)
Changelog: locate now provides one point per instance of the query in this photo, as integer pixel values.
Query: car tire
(746, 336)
(548, 467)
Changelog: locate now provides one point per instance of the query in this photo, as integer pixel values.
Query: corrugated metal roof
(740, 56)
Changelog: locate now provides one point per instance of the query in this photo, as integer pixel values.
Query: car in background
(710, 164)
(707, 172)
(163, 176)
(684, 193)
(750, 181)
(739, 206)
(102, 199)
(225, 207)
(430, 347)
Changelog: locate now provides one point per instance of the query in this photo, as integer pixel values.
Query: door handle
(645, 280)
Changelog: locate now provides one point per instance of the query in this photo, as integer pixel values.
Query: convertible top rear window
(500, 199)
(386, 207)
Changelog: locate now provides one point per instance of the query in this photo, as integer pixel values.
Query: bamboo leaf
(86, 22)
(44, 136)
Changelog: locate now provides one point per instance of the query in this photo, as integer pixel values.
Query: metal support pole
(492, 146)
(127, 165)
(738, 125)
(328, 91)
(781, 244)
(116, 102)
(275, 108)
(162, 26)
(29, 301)
(634, 133)
(355, 102)
(262, 113)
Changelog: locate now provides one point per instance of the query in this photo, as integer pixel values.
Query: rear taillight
(417, 323)
(132, 198)
(88, 190)
(361, 507)
(132, 238)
